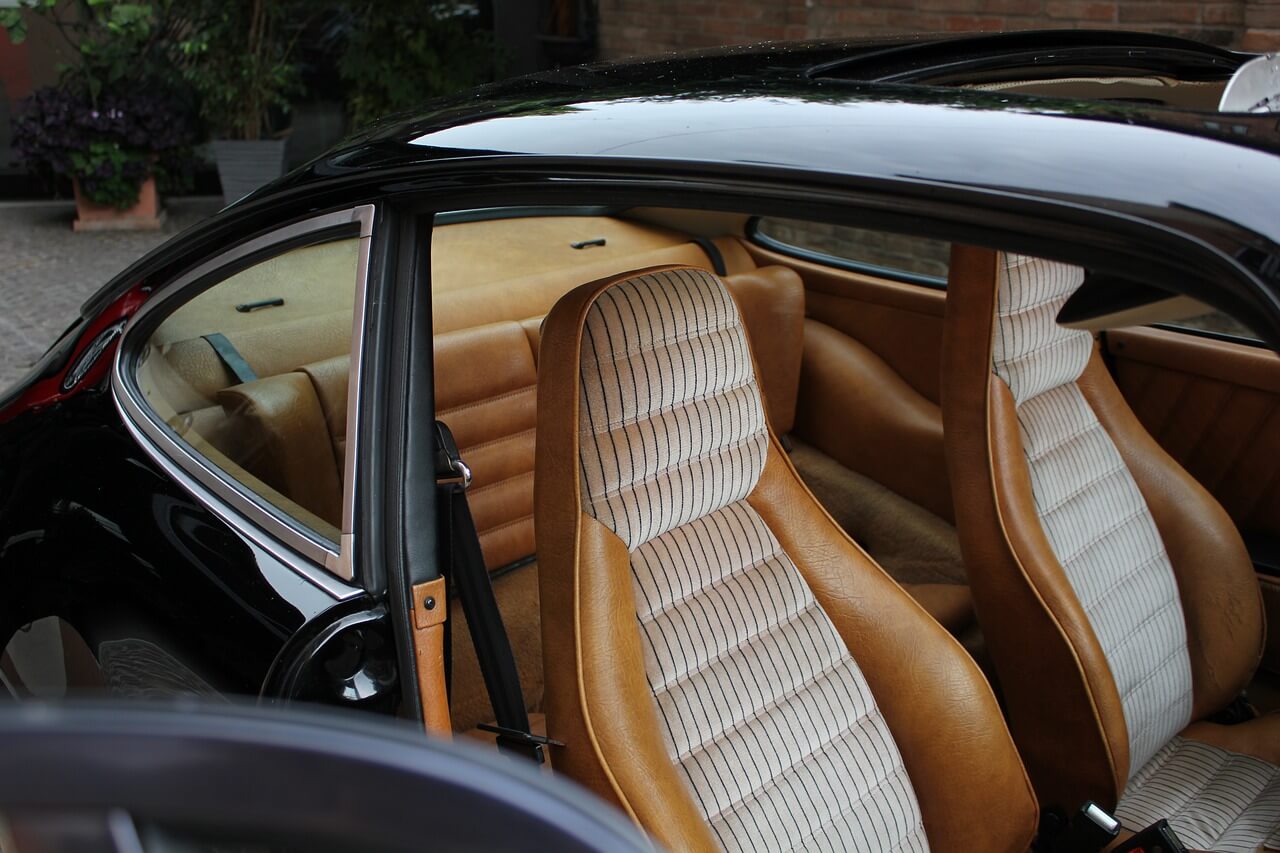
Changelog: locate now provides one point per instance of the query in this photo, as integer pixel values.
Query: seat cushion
(763, 707)
(1213, 799)
(917, 548)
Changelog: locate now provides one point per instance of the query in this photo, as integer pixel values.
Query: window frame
(755, 235)
(1225, 337)
(328, 564)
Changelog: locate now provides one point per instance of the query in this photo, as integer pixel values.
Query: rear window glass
(252, 375)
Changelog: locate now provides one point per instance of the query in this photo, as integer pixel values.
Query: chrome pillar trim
(345, 567)
(221, 494)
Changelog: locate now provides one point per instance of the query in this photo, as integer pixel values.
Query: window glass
(879, 252)
(1216, 322)
(252, 373)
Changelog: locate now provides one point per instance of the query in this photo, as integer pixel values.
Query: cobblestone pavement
(47, 271)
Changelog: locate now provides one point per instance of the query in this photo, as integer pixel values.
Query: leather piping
(1048, 609)
(984, 289)
(576, 495)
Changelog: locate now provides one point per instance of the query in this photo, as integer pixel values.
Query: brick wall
(631, 27)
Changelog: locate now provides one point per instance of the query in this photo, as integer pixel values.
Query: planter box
(146, 215)
(243, 166)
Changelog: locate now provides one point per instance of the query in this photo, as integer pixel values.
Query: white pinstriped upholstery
(1213, 799)
(763, 708)
(672, 425)
(1089, 505)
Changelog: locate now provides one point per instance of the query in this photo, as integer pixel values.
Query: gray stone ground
(47, 271)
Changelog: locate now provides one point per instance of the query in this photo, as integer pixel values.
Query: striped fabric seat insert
(763, 709)
(1093, 515)
(1213, 799)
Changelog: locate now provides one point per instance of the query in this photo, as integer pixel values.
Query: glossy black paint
(213, 778)
(94, 531)
(757, 115)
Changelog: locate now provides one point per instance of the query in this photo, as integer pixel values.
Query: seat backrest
(486, 379)
(486, 391)
(1089, 550)
(701, 608)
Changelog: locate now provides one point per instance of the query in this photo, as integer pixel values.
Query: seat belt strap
(712, 251)
(231, 357)
(474, 588)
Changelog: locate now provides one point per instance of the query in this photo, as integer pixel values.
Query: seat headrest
(671, 423)
(1030, 351)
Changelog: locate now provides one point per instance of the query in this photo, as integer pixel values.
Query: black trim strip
(713, 254)
(485, 214)
(1226, 337)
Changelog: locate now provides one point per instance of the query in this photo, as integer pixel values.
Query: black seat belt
(231, 357)
(712, 251)
(471, 583)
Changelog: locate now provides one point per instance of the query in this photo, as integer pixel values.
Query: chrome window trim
(214, 487)
(287, 555)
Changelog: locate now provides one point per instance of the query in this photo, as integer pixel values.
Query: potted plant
(113, 149)
(113, 124)
(238, 56)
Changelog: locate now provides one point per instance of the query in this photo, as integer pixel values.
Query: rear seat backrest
(281, 438)
(486, 392)
(291, 428)
(270, 350)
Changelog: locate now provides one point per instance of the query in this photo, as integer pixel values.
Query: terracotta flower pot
(146, 215)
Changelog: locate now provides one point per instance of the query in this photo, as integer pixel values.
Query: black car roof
(780, 108)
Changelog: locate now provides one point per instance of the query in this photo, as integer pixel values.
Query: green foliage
(14, 25)
(399, 53)
(114, 171)
(115, 41)
(239, 56)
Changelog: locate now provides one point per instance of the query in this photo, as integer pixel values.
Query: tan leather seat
(705, 614)
(1116, 596)
(486, 380)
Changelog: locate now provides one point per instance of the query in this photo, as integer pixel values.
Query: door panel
(1215, 407)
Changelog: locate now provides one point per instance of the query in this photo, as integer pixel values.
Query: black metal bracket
(525, 744)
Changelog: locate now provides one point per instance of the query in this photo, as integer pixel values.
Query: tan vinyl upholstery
(1117, 598)
(281, 436)
(733, 671)
(771, 300)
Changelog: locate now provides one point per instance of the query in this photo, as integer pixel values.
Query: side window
(902, 256)
(1216, 323)
(251, 373)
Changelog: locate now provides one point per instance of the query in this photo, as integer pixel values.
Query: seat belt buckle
(1157, 838)
(449, 465)
(1089, 830)
(524, 744)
